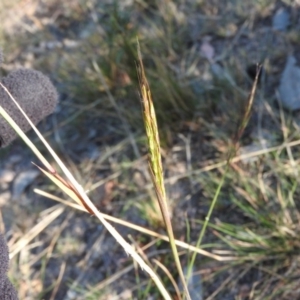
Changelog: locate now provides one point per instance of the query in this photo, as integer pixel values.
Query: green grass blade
(232, 153)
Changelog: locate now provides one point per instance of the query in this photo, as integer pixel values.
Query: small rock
(206, 49)
(289, 88)
(70, 43)
(4, 198)
(6, 176)
(194, 285)
(221, 74)
(249, 149)
(263, 139)
(23, 180)
(281, 20)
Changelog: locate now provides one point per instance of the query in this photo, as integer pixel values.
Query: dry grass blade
(235, 159)
(58, 281)
(66, 187)
(77, 188)
(113, 278)
(29, 236)
(155, 162)
(62, 186)
(247, 112)
(141, 229)
(167, 272)
(55, 198)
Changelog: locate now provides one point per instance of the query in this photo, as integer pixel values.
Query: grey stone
(289, 88)
(281, 20)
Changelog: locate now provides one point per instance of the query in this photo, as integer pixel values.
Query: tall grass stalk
(231, 155)
(155, 162)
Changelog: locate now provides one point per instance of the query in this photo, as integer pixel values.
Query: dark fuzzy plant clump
(7, 291)
(38, 98)
(36, 95)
